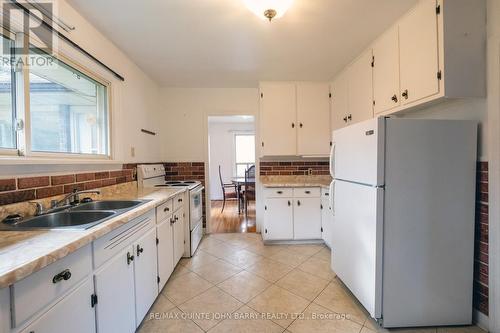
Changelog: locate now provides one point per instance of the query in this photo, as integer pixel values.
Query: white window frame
(235, 164)
(23, 149)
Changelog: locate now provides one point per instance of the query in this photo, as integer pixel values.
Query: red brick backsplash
(481, 272)
(14, 190)
(294, 168)
(32, 182)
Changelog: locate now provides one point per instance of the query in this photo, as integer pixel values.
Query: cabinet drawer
(178, 201)
(278, 192)
(164, 211)
(35, 292)
(307, 192)
(112, 243)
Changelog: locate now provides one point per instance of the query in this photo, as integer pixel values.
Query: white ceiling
(220, 43)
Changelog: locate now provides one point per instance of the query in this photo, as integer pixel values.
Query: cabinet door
(278, 119)
(278, 219)
(386, 71)
(326, 221)
(145, 274)
(313, 117)
(307, 218)
(114, 285)
(361, 88)
(71, 314)
(178, 230)
(165, 248)
(339, 101)
(418, 44)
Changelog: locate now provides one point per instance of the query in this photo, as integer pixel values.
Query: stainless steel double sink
(82, 216)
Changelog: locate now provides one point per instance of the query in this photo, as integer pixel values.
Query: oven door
(195, 206)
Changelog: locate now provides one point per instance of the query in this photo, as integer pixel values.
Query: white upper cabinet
(295, 118)
(278, 114)
(386, 92)
(435, 51)
(313, 118)
(418, 48)
(339, 101)
(360, 89)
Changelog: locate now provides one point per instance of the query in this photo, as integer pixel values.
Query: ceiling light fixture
(268, 9)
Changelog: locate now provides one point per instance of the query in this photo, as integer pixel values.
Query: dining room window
(244, 144)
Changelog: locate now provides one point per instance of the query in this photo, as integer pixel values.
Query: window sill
(16, 160)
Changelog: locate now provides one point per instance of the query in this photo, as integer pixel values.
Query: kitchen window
(50, 107)
(244, 153)
(68, 109)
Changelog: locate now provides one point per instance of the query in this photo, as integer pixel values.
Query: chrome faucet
(38, 208)
(66, 201)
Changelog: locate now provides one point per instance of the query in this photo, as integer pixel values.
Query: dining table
(240, 182)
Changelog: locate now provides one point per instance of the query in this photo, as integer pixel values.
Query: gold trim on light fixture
(270, 14)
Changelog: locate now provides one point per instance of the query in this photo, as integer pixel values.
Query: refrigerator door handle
(332, 160)
(332, 196)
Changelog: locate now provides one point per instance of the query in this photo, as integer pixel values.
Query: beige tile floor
(235, 283)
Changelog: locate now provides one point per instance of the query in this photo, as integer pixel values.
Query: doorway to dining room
(231, 171)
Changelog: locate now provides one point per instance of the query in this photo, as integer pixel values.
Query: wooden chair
(249, 193)
(228, 195)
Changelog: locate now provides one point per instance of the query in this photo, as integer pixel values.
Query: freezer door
(359, 152)
(357, 242)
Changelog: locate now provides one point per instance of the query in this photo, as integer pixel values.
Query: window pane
(240, 170)
(7, 114)
(68, 109)
(245, 148)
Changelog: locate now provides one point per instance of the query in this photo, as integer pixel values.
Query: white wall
(222, 152)
(185, 111)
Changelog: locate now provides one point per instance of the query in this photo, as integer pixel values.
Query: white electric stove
(153, 175)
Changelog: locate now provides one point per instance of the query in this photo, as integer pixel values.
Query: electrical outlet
(310, 171)
(132, 151)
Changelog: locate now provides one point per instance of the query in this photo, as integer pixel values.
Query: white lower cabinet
(292, 214)
(278, 217)
(307, 218)
(178, 231)
(326, 218)
(73, 313)
(106, 287)
(165, 234)
(114, 285)
(145, 274)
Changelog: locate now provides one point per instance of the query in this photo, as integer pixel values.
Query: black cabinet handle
(172, 221)
(64, 275)
(179, 200)
(279, 192)
(394, 98)
(349, 117)
(405, 94)
(345, 119)
(289, 203)
(130, 258)
(301, 125)
(308, 192)
(166, 209)
(139, 250)
(176, 218)
(298, 202)
(293, 125)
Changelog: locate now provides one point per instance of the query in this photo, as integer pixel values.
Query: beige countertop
(25, 252)
(296, 181)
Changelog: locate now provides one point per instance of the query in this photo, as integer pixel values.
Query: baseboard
(481, 320)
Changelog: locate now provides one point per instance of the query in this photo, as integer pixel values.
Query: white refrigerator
(404, 206)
